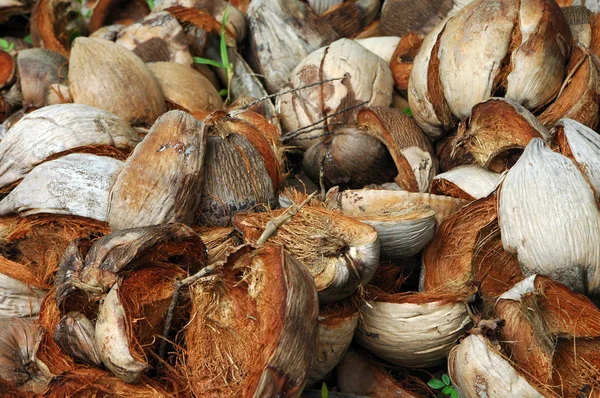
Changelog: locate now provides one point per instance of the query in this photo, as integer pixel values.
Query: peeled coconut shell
(108, 76)
(266, 329)
(341, 253)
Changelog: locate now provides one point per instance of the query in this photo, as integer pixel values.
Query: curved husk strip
(157, 37)
(76, 185)
(110, 12)
(38, 69)
(255, 328)
(410, 148)
(281, 34)
(50, 22)
(340, 252)
(469, 182)
(186, 88)
(244, 166)
(579, 20)
(336, 330)
(496, 133)
(578, 97)
(173, 245)
(366, 78)
(108, 76)
(162, 178)
(349, 18)
(582, 145)
(19, 341)
(358, 373)
(552, 233)
(477, 368)
(55, 129)
(402, 59)
(380, 200)
(415, 330)
(447, 260)
(219, 241)
(75, 336)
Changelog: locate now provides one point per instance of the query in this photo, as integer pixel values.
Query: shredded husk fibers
(254, 327)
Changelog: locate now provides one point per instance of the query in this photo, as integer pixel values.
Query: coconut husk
(50, 22)
(448, 258)
(469, 182)
(576, 367)
(341, 253)
(110, 12)
(75, 336)
(244, 166)
(219, 241)
(38, 69)
(349, 18)
(7, 69)
(403, 58)
(384, 47)
(250, 337)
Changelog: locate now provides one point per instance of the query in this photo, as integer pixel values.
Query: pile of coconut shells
(271, 198)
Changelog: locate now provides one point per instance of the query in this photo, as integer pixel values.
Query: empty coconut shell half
(59, 129)
(161, 181)
(244, 167)
(254, 332)
(340, 252)
(361, 77)
(111, 12)
(469, 182)
(108, 76)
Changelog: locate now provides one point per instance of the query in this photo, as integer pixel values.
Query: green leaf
(223, 93)
(407, 111)
(324, 391)
(436, 383)
(88, 14)
(28, 40)
(454, 394)
(440, 396)
(151, 4)
(4, 44)
(206, 61)
(446, 379)
(224, 56)
(448, 390)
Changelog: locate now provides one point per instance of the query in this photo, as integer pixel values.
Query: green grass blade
(224, 56)
(206, 61)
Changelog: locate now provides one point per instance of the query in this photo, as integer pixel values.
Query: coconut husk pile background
(275, 197)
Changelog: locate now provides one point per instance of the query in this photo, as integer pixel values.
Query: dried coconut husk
(186, 88)
(477, 368)
(74, 334)
(19, 367)
(250, 336)
(403, 58)
(243, 166)
(38, 69)
(158, 37)
(108, 76)
(340, 252)
(110, 12)
(576, 367)
(349, 18)
(579, 20)
(496, 133)
(161, 180)
(383, 46)
(578, 96)
(83, 382)
(415, 330)
(337, 322)
(380, 200)
(219, 242)
(15, 7)
(172, 245)
(60, 129)
(363, 374)
(51, 21)
(447, 259)
(469, 182)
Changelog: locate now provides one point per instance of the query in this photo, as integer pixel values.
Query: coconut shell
(161, 179)
(341, 253)
(108, 76)
(268, 331)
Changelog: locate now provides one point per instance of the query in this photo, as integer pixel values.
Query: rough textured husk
(219, 241)
(109, 12)
(162, 178)
(403, 57)
(341, 253)
(576, 367)
(250, 337)
(477, 368)
(399, 17)
(49, 23)
(108, 76)
(469, 182)
(337, 323)
(415, 330)
(447, 259)
(38, 69)
(552, 233)
(55, 130)
(409, 147)
(496, 133)
(185, 88)
(349, 18)
(282, 33)
(578, 96)
(244, 166)
(75, 185)
(157, 37)
(366, 78)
